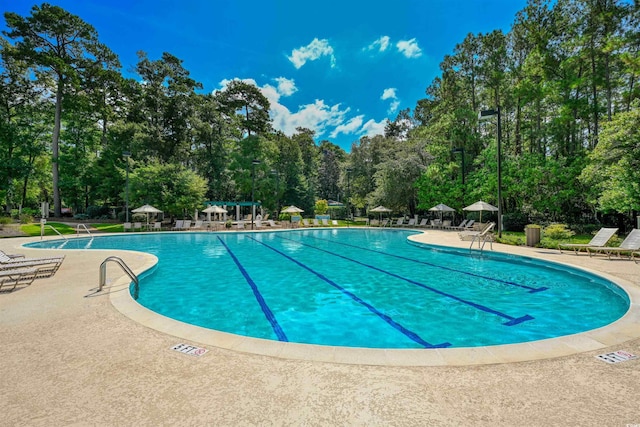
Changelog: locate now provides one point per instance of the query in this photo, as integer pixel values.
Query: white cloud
(389, 93)
(314, 50)
(349, 127)
(381, 44)
(285, 86)
(319, 117)
(409, 48)
(373, 128)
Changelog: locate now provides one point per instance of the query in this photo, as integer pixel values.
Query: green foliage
(322, 207)
(558, 232)
(514, 221)
(5, 220)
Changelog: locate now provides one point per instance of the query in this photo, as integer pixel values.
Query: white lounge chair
(240, 225)
(305, 222)
(630, 244)
(334, 222)
(126, 226)
(325, 222)
(315, 222)
(423, 222)
(17, 277)
(8, 262)
(137, 226)
(599, 240)
(178, 224)
(399, 222)
(157, 226)
(412, 222)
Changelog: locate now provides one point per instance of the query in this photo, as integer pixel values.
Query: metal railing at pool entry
(83, 226)
(125, 268)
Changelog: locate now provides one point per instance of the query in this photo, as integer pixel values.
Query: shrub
(514, 221)
(5, 220)
(26, 218)
(97, 211)
(558, 232)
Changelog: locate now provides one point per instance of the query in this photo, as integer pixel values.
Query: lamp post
(349, 170)
(461, 151)
(126, 155)
(277, 175)
(485, 115)
(254, 162)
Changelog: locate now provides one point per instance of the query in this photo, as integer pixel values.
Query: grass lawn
(34, 229)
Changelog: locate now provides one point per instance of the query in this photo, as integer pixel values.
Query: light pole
(277, 175)
(126, 155)
(349, 170)
(254, 162)
(485, 115)
(461, 151)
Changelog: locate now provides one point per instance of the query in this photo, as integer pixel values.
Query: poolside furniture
(240, 225)
(157, 225)
(305, 222)
(399, 222)
(44, 267)
(137, 226)
(21, 259)
(412, 222)
(334, 222)
(19, 276)
(178, 224)
(484, 236)
(325, 222)
(186, 224)
(599, 240)
(470, 234)
(460, 226)
(272, 223)
(197, 225)
(630, 244)
(470, 224)
(634, 255)
(423, 223)
(126, 226)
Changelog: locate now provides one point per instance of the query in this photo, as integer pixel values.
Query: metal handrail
(83, 226)
(59, 233)
(125, 268)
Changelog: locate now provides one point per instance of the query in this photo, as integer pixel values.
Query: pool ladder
(125, 268)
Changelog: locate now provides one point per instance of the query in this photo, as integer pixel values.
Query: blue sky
(340, 68)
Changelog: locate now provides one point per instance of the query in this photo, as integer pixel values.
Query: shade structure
(292, 209)
(214, 209)
(380, 209)
(480, 206)
(442, 208)
(147, 209)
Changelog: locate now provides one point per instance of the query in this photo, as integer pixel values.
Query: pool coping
(618, 332)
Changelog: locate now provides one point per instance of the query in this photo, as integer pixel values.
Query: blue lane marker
(265, 308)
(512, 320)
(532, 290)
(410, 334)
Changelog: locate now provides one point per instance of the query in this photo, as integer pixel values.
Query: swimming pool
(362, 288)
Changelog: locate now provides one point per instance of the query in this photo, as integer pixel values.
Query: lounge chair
(258, 223)
(186, 225)
(198, 225)
(137, 226)
(178, 224)
(423, 222)
(126, 226)
(412, 222)
(599, 240)
(19, 276)
(485, 235)
(399, 222)
(45, 267)
(240, 225)
(305, 222)
(272, 223)
(470, 224)
(334, 222)
(470, 234)
(157, 225)
(460, 226)
(634, 255)
(6, 260)
(630, 244)
(325, 222)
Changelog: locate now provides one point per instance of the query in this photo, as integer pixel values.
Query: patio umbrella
(480, 206)
(442, 208)
(213, 209)
(380, 209)
(292, 209)
(146, 209)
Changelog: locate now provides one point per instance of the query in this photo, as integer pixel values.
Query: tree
(246, 100)
(60, 46)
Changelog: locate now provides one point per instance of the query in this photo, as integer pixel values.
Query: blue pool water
(362, 288)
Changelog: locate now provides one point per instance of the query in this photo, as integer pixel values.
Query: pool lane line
(256, 292)
(408, 333)
(511, 320)
(531, 289)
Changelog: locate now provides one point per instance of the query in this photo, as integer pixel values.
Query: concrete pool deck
(69, 357)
